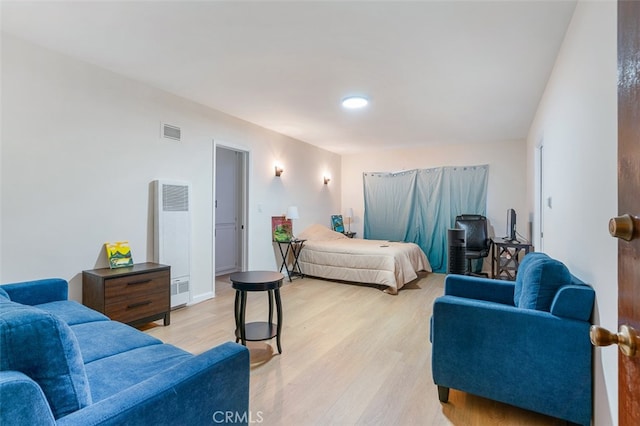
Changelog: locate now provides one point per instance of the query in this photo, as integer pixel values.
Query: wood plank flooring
(352, 355)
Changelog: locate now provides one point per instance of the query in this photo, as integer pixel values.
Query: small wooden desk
(506, 258)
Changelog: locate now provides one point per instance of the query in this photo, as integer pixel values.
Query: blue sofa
(524, 343)
(63, 363)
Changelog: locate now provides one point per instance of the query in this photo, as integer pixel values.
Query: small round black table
(268, 281)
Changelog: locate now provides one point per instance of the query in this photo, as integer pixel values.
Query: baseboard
(201, 298)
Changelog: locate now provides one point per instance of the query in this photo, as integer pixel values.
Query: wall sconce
(279, 171)
(327, 179)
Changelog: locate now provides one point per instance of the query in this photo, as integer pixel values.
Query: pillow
(541, 282)
(317, 232)
(529, 258)
(44, 348)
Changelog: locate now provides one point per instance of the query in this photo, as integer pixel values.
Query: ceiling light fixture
(354, 102)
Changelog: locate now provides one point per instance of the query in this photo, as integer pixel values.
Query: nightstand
(295, 247)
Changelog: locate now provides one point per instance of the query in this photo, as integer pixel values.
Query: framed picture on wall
(281, 229)
(337, 224)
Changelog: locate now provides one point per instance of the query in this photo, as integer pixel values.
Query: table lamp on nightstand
(292, 213)
(349, 215)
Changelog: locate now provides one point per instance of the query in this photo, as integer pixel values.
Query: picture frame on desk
(281, 229)
(118, 254)
(337, 223)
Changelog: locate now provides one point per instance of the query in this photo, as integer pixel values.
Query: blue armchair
(524, 343)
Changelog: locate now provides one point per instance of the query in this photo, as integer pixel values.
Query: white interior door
(228, 211)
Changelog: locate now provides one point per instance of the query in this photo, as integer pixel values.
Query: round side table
(270, 282)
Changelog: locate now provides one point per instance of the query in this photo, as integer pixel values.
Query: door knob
(622, 227)
(627, 338)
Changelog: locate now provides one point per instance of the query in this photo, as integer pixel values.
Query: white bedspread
(329, 254)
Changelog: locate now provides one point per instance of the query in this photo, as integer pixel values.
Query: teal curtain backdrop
(420, 205)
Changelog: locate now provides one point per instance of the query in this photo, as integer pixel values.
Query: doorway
(230, 209)
(538, 232)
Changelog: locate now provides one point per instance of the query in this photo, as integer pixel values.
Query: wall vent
(171, 132)
(179, 286)
(175, 198)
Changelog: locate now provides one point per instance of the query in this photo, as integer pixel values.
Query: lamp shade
(349, 213)
(292, 212)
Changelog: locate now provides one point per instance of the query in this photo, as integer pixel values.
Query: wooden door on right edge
(629, 202)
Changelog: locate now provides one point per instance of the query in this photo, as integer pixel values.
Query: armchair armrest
(38, 291)
(574, 302)
(23, 401)
(214, 383)
(498, 291)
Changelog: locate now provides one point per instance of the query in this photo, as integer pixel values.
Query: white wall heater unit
(172, 235)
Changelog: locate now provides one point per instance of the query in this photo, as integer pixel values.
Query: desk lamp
(349, 215)
(292, 213)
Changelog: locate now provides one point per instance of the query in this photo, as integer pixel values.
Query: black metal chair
(478, 242)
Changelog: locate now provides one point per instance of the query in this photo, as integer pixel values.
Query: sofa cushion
(540, 283)
(4, 295)
(121, 338)
(72, 312)
(44, 348)
(116, 373)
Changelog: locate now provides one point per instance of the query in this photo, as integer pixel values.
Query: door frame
(538, 232)
(243, 240)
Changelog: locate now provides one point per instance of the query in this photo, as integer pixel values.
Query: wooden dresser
(136, 294)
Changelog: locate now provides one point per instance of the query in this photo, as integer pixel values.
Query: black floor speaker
(456, 262)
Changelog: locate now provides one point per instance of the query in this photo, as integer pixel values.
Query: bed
(332, 255)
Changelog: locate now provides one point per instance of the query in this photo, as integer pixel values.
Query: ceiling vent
(171, 132)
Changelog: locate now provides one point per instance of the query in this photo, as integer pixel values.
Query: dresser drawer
(124, 288)
(143, 306)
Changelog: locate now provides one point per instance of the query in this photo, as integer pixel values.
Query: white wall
(80, 147)
(577, 122)
(506, 186)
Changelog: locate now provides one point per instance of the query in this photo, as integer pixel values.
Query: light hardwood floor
(352, 355)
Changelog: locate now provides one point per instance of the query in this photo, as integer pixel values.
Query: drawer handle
(137, 305)
(139, 282)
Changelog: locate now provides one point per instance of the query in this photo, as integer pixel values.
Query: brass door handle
(623, 227)
(627, 338)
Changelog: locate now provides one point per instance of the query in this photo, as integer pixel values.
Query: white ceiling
(434, 71)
